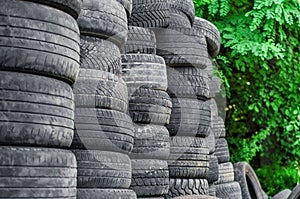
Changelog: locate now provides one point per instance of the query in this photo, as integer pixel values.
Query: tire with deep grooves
(103, 129)
(150, 177)
(213, 173)
(100, 89)
(229, 190)
(222, 151)
(102, 169)
(28, 172)
(181, 187)
(185, 6)
(38, 39)
(226, 173)
(104, 19)
(150, 106)
(35, 111)
(99, 54)
(149, 13)
(178, 19)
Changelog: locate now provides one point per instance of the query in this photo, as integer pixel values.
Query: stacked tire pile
(103, 135)
(39, 61)
(150, 109)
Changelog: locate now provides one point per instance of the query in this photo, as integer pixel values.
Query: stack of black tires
(103, 136)
(39, 61)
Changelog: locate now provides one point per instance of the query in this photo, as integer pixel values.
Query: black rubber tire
(226, 173)
(149, 13)
(127, 4)
(189, 157)
(229, 191)
(212, 189)
(215, 86)
(140, 40)
(143, 70)
(284, 194)
(181, 187)
(295, 193)
(35, 111)
(185, 6)
(99, 89)
(103, 129)
(211, 33)
(105, 19)
(37, 173)
(102, 169)
(150, 106)
(196, 197)
(211, 142)
(187, 82)
(150, 177)
(222, 151)
(72, 7)
(99, 54)
(105, 194)
(250, 186)
(38, 39)
(213, 174)
(189, 117)
(182, 47)
(178, 19)
(218, 127)
(151, 142)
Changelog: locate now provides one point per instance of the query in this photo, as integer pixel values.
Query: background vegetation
(261, 60)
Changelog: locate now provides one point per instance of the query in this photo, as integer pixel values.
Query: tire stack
(103, 135)
(185, 52)
(223, 184)
(150, 109)
(39, 61)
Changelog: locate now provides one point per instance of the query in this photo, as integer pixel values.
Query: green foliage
(260, 58)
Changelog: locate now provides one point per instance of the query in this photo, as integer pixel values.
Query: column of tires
(149, 107)
(221, 179)
(184, 50)
(39, 61)
(103, 136)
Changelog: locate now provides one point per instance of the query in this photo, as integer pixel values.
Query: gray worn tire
(103, 129)
(187, 82)
(151, 142)
(140, 40)
(99, 54)
(182, 187)
(229, 191)
(144, 70)
(38, 39)
(28, 172)
(222, 151)
(100, 89)
(127, 4)
(295, 193)
(35, 111)
(105, 19)
(189, 157)
(213, 174)
(211, 33)
(250, 186)
(149, 13)
(211, 142)
(150, 106)
(178, 19)
(189, 117)
(149, 177)
(105, 194)
(72, 7)
(182, 47)
(226, 173)
(218, 127)
(185, 6)
(102, 169)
